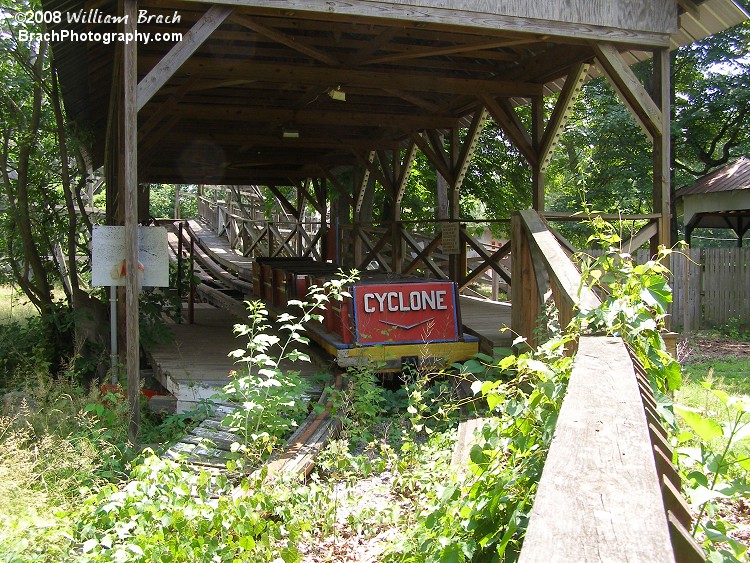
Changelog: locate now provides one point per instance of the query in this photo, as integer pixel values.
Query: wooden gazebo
(719, 200)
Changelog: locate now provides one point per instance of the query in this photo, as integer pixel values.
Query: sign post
(109, 268)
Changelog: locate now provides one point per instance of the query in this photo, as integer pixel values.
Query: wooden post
(191, 290)
(130, 190)
(661, 192)
(524, 296)
(179, 261)
(537, 133)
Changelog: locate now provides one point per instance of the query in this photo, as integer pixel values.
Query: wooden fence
(710, 286)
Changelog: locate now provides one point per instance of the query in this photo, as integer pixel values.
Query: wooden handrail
(541, 268)
(599, 498)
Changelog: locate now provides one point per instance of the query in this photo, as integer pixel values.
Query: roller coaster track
(209, 445)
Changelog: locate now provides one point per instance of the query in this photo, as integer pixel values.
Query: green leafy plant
(483, 517)
(268, 397)
(715, 463)
(635, 303)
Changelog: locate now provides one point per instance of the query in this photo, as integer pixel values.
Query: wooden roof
(734, 176)
(404, 67)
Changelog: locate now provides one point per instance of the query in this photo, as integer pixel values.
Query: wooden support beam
(627, 85)
(403, 176)
(174, 59)
(435, 159)
(372, 167)
(338, 186)
(469, 146)
(511, 125)
(285, 203)
(662, 149)
(129, 190)
(307, 195)
(537, 132)
(565, 101)
(285, 39)
(637, 239)
(363, 185)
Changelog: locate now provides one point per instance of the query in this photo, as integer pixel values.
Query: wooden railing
(608, 491)
(253, 237)
(419, 247)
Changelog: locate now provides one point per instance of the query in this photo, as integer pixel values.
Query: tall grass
(14, 306)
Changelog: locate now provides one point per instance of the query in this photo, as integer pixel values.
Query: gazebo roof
(272, 68)
(734, 176)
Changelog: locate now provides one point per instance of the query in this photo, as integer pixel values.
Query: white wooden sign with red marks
(108, 256)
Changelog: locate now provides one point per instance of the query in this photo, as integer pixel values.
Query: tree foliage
(41, 171)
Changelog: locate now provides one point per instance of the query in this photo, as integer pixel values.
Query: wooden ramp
(196, 363)
(218, 249)
(484, 319)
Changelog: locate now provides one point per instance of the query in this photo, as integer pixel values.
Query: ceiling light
(337, 94)
(290, 133)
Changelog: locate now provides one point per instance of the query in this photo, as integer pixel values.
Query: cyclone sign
(406, 313)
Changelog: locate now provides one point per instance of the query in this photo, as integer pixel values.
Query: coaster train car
(389, 320)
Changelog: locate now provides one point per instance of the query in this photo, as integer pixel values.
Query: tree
(41, 197)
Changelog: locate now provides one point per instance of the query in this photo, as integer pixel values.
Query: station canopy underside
(259, 102)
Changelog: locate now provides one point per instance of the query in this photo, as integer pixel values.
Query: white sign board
(451, 238)
(108, 256)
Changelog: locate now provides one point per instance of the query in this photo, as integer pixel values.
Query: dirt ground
(700, 347)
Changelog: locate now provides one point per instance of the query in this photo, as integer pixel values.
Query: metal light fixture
(337, 94)
(290, 133)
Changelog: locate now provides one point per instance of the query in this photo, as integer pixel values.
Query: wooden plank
(640, 22)
(600, 472)
(177, 55)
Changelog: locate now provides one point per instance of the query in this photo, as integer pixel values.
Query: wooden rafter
(415, 99)
(421, 52)
(284, 39)
(627, 85)
(563, 106)
(407, 80)
(180, 53)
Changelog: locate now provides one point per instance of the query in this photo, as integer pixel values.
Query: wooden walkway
(196, 363)
(485, 319)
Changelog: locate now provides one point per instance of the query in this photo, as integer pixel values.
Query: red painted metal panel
(405, 313)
